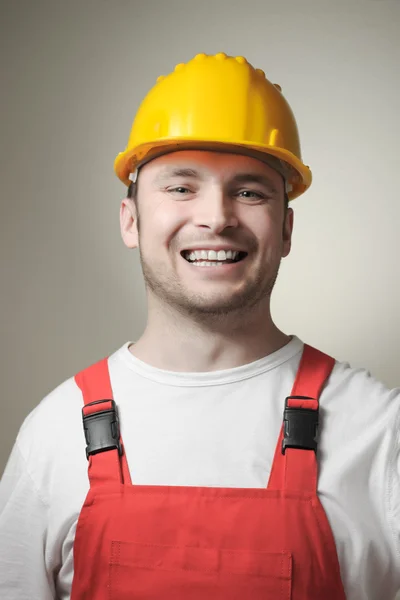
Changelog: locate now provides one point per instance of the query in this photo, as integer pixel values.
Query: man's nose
(215, 210)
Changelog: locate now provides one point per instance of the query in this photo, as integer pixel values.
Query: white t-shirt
(207, 429)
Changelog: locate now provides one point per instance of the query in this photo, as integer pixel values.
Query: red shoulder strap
(297, 469)
(108, 466)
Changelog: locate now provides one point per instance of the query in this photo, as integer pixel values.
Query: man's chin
(216, 308)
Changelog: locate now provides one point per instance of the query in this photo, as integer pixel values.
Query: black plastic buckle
(102, 429)
(300, 426)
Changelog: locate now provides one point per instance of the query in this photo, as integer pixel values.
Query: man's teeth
(211, 255)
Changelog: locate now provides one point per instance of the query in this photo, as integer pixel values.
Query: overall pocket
(149, 572)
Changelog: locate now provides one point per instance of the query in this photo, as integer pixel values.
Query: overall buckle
(101, 429)
(300, 426)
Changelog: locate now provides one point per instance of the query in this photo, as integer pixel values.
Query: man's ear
(287, 232)
(128, 218)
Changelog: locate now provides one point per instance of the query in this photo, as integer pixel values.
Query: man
(203, 479)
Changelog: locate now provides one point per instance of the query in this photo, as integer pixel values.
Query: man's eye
(180, 190)
(251, 194)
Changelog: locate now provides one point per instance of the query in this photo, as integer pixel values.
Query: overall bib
(147, 542)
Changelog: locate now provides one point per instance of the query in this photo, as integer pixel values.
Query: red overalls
(146, 542)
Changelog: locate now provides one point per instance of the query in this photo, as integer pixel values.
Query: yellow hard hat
(217, 102)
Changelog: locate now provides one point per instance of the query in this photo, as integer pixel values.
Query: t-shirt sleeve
(393, 492)
(24, 573)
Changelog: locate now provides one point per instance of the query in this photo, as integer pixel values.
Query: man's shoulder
(49, 457)
(51, 437)
(54, 427)
(60, 407)
(352, 379)
(60, 404)
(355, 402)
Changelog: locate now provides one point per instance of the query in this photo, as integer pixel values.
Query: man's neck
(184, 345)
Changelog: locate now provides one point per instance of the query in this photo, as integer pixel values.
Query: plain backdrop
(72, 76)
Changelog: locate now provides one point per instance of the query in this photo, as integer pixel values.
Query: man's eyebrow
(255, 178)
(169, 172)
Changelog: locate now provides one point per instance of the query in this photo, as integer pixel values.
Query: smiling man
(213, 229)
(210, 473)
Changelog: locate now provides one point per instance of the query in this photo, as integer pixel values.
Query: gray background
(72, 76)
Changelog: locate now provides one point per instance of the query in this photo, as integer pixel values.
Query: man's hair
(132, 194)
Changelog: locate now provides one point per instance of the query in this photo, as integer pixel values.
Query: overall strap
(104, 450)
(295, 462)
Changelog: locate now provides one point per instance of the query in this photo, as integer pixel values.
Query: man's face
(213, 230)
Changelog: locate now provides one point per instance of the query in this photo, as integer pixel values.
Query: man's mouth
(212, 258)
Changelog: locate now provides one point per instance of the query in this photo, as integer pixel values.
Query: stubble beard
(170, 292)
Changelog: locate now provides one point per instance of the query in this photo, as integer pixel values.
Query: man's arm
(23, 532)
